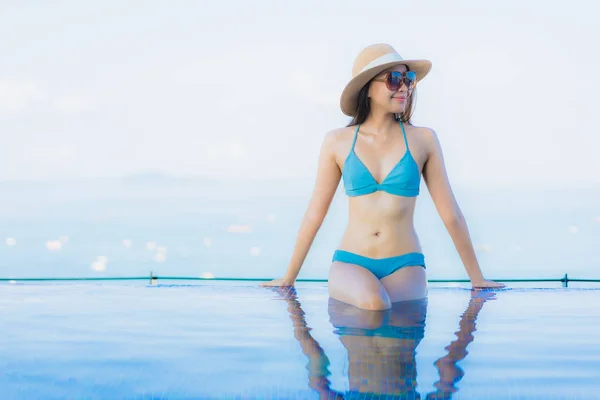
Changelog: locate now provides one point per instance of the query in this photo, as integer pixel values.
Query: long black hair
(363, 106)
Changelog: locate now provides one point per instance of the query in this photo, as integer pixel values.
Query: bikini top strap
(404, 133)
(355, 136)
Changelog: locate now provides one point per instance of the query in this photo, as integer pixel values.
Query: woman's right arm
(327, 181)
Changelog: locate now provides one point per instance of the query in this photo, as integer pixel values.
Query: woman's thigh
(407, 283)
(357, 286)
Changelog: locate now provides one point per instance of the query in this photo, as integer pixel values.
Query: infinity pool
(240, 341)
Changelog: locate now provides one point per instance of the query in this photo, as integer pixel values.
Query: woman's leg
(406, 283)
(357, 286)
(345, 315)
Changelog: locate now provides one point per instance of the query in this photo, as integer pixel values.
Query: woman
(381, 156)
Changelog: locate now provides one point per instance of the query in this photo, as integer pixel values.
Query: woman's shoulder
(425, 138)
(425, 134)
(423, 131)
(341, 133)
(339, 136)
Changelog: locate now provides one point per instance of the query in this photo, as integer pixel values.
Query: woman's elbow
(453, 218)
(315, 216)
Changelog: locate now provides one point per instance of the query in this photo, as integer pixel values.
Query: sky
(247, 90)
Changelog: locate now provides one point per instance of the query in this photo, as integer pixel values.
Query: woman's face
(385, 99)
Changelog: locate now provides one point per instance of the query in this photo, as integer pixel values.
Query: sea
(198, 227)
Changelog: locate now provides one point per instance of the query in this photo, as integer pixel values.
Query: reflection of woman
(381, 156)
(381, 347)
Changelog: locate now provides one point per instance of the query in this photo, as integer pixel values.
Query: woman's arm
(327, 181)
(436, 178)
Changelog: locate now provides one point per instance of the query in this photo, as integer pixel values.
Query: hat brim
(349, 97)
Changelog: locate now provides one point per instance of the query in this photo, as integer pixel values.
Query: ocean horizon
(195, 226)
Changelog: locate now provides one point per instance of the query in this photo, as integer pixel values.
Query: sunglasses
(393, 80)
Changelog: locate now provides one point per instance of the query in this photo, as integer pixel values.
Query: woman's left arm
(436, 178)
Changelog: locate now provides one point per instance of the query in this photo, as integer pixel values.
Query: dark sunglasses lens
(394, 80)
(411, 79)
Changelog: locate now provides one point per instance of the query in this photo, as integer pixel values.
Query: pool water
(239, 341)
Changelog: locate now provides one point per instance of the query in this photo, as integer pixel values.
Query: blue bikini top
(403, 180)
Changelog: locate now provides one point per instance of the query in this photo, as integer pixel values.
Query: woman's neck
(379, 123)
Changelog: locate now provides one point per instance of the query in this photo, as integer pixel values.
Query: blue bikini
(380, 267)
(403, 180)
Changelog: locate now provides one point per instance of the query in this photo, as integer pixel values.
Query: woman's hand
(278, 282)
(484, 283)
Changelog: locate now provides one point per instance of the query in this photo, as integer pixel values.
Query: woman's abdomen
(381, 226)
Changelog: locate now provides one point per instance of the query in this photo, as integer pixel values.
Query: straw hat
(369, 63)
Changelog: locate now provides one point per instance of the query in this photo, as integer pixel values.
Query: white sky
(247, 89)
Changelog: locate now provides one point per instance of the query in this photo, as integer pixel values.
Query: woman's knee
(354, 285)
(374, 301)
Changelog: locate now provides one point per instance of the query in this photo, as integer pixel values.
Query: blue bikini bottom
(406, 394)
(386, 331)
(380, 267)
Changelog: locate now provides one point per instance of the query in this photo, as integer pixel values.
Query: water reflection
(381, 347)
